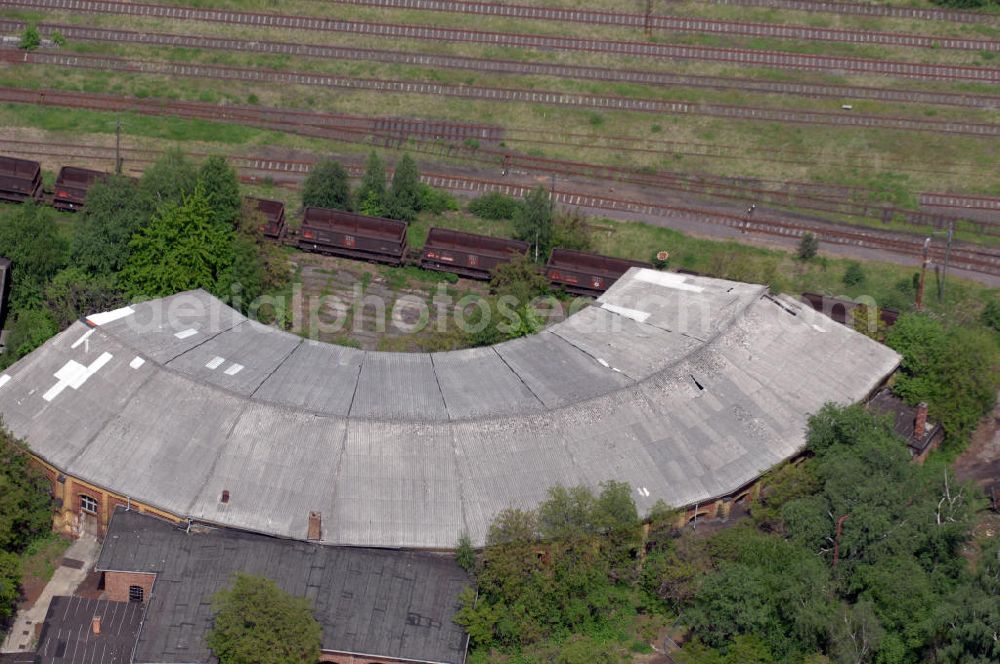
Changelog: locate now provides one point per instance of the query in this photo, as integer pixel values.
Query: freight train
(351, 235)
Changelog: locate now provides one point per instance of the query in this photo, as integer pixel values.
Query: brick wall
(117, 584)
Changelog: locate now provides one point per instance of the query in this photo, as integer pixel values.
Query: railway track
(512, 67)
(863, 9)
(322, 125)
(967, 257)
(743, 57)
(665, 23)
(958, 201)
(508, 95)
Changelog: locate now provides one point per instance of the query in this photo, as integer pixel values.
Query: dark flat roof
(369, 601)
(67, 638)
(903, 419)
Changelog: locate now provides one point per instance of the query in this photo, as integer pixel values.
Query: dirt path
(980, 463)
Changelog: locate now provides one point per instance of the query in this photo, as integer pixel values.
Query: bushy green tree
(991, 315)
(520, 279)
(494, 206)
(31, 240)
(73, 294)
(808, 247)
(10, 583)
(222, 189)
(854, 275)
(30, 38)
(405, 193)
(571, 230)
(327, 186)
(533, 222)
(25, 503)
(28, 329)
(184, 247)
(371, 193)
(955, 370)
(168, 180)
(531, 589)
(258, 623)
(115, 210)
(967, 623)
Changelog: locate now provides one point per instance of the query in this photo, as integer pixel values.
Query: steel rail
(512, 95)
(746, 57)
(962, 256)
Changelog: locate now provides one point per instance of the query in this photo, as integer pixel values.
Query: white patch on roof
(215, 363)
(234, 369)
(108, 316)
(667, 280)
(4, 379)
(86, 335)
(137, 362)
(634, 314)
(818, 328)
(184, 334)
(73, 374)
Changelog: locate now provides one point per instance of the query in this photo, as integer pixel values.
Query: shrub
(854, 275)
(494, 206)
(30, 38)
(808, 247)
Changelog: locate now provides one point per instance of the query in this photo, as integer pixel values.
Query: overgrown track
(253, 168)
(515, 67)
(746, 57)
(393, 133)
(959, 201)
(520, 95)
(862, 9)
(965, 257)
(681, 24)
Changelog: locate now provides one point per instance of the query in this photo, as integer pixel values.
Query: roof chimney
(95, 625)
(225, 496)
(315, 526)
(920, 422)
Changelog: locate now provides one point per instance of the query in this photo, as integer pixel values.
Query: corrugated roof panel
(163, 445)
(476, 382)
(163, 329)
(239, 359)
(397, 483)
(398, 386)
(557, 372)
(636, 349)
(318, 377)
(276, 465)
(64, 393)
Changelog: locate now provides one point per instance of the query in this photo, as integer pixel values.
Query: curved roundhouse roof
(686, 388)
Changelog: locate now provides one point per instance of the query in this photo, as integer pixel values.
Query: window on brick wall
(88, 504)
(135, 593)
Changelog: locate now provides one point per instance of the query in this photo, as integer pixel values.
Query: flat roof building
(686, 388)
(373, 604)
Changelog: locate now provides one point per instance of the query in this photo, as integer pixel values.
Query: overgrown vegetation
(854, 555)
(25, 515)
(256, 622)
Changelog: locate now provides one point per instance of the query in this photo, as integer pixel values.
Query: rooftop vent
(225, 496)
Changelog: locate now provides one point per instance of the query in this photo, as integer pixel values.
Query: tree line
(180, 226)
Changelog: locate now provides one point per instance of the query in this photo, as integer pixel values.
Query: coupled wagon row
(351, 235)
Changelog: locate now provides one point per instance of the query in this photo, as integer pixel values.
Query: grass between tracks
(839, 155)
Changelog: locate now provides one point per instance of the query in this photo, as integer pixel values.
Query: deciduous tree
(258, 623)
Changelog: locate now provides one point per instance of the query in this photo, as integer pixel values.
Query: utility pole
(947, 258)
(118, 145)
(923, 271)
